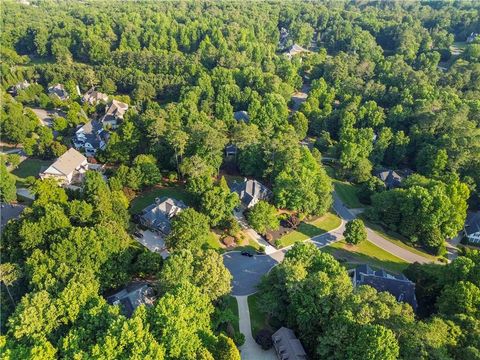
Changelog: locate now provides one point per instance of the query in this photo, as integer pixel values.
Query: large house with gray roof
(132, 296)
(158, 216)
(251, 192)
(396, 284)
(91, 137)
(287, 346)
(114, 112)
(472, 227)
(67, 169)
(93, 97)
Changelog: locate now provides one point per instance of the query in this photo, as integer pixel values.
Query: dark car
(247, 253)
(138, 234)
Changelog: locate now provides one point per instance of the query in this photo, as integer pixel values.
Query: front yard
(366, 253)
(347, 193)
(306, 230)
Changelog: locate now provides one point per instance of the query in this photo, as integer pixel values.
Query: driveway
(252, 233)
(153, 242)
(46, 116)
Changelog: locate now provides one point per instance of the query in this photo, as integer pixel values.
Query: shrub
(264, 339)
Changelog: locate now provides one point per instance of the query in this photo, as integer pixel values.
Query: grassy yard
(29, 167)
(397, 240)
(348, 193)
(233, 306)
(258, 319)
(148, 197)
(366, 252)
(307, 230)
(213, 242)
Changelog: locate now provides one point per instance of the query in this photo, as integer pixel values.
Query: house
(231, 150)
(158, 216)
(68, 168)
(396, 284)
(241, 116)
(472, 227)
(472, 37)
(93, 97)
(58, 91)
(113, 113)
(392, 179)
(132, 296)
(295, 50)
(91, 137)
(287, 346)
(15, 89)
(251, 192)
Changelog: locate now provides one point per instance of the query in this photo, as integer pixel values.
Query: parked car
(138, 234)
(247, 253)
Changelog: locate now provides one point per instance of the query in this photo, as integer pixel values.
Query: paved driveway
(153, 242)
(248, 271)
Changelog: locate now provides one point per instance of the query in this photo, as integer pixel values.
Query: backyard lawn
(307, 230)
(29, 167)
(148, 197)
(347, 193)
(366, 252)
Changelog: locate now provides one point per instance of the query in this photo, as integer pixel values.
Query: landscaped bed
(306, 230)
(366, 253)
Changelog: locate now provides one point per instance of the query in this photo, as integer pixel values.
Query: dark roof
(287, 346)
(472, 223)
(132, 296)
(241, 116)
(391, 178)
(159, 214)
(58, 90)
(93, 133)
(250, 191)
(396, 284)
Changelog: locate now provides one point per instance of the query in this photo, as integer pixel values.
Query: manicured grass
(258, 320)
(30, 167)
(213, 242)
(397, 240)
(233, 306)
(366, 252)
(148, 197)
(310, 229)
(348, 194)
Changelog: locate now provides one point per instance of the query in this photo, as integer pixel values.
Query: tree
(190, 230)
(8, 190)
(300, 123)
(355, 232)
(218, 202)
(460, 298)
(263, 217)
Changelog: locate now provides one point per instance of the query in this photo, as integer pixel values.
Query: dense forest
(385, 90)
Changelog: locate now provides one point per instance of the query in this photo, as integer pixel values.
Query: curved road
(248, 271)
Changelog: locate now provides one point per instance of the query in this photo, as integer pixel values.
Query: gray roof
(251, 191)
(391, 178)
(93, 133)
(115, 110)
(287, 346)
(241, 116)
(132, 296)
(396, 284)
(59, 91)
(69, 161)
(472, 223)
(92, 96)
(295, 50)
(159, 214)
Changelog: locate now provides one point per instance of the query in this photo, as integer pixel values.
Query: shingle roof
(241, 116)
(287, 345)
(132, 296)
(69, 161)
(92, 96)
(472, 223)
(93, 133)
(159, 214)
(251, 190)
(58, 90)
(396, 284)
(391, 178)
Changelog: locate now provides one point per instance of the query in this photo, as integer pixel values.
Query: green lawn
(29, 167)
(307, 230)
(258, 319)
(397, 240)
(147, 198)
(233, 306)
(213, 242)
(366, 252)
(348, 193)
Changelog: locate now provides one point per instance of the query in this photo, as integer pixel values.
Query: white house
(91, 137)
(251, 192)
(68, 168)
